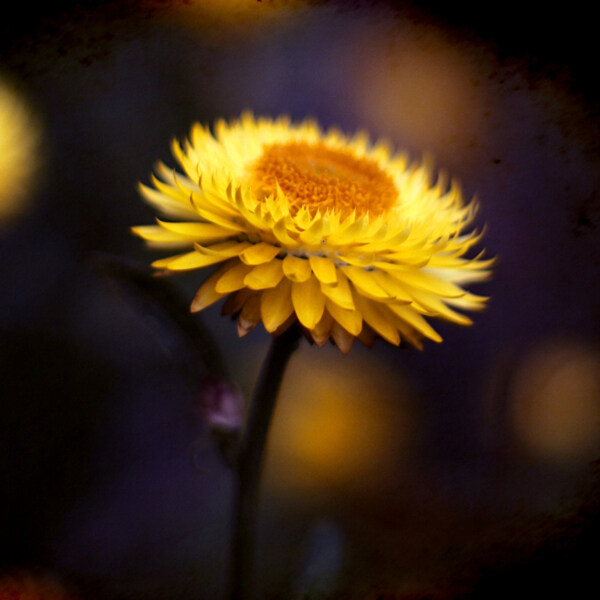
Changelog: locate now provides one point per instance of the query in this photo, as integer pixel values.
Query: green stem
(250, 460)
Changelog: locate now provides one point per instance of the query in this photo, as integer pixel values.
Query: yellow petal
(177, 208)
(365, 282)
(358, 260)
(201, 232)
(455, 260)
(308, 301)
(211, 209)
(212, 199)
(468, 302)
(233, 280)
(209, 212)
(392, 286)
(227, 249)
(367, 335)
(177, 180)
(234, 302)
(190, 260)
(276, 305)
(390, 242)
(350, 320)
(277, 206)
(323, 268)
(320, 332)
(400, 261)
(296, 269)
(206, 294)
(249, 316)
(349, 232)
(429, 283)
(242, 199)
(154, 233)
(282, 229)
(414, 319)
(407, 333)
(260, 253)
(340, 293)
(376, 318)
(303, 218)
(264, 276)
(157, 237)
(343, 340)
(461, 271)
(313, 236)
(433, 304)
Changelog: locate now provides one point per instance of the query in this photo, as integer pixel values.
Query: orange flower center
(321, 178)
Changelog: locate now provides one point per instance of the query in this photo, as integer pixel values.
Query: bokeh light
(347, 421)
(23, 585)
(418, 88)
(19, 140)
(555, 401)
(217, 17)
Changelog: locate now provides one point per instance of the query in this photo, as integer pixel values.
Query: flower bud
(221, 405)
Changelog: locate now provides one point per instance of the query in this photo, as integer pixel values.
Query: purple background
(108, 478)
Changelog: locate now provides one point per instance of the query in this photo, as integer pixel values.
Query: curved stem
(250, 460)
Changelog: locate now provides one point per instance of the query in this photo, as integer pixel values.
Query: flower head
(337, 233)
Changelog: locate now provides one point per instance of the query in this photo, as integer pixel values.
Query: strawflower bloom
(342, 235)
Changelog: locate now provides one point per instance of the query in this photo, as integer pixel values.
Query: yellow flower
(340, 234)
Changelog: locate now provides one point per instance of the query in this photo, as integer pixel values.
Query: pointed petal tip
(197, 305)
(161, 273)
(161, 263)
(244, 327)
(202, 300)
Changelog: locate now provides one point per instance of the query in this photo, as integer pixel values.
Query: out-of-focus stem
(250, 461)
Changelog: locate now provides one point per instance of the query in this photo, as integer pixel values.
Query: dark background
(467, 470)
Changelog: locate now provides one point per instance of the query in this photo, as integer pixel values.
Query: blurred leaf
(159, 306)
